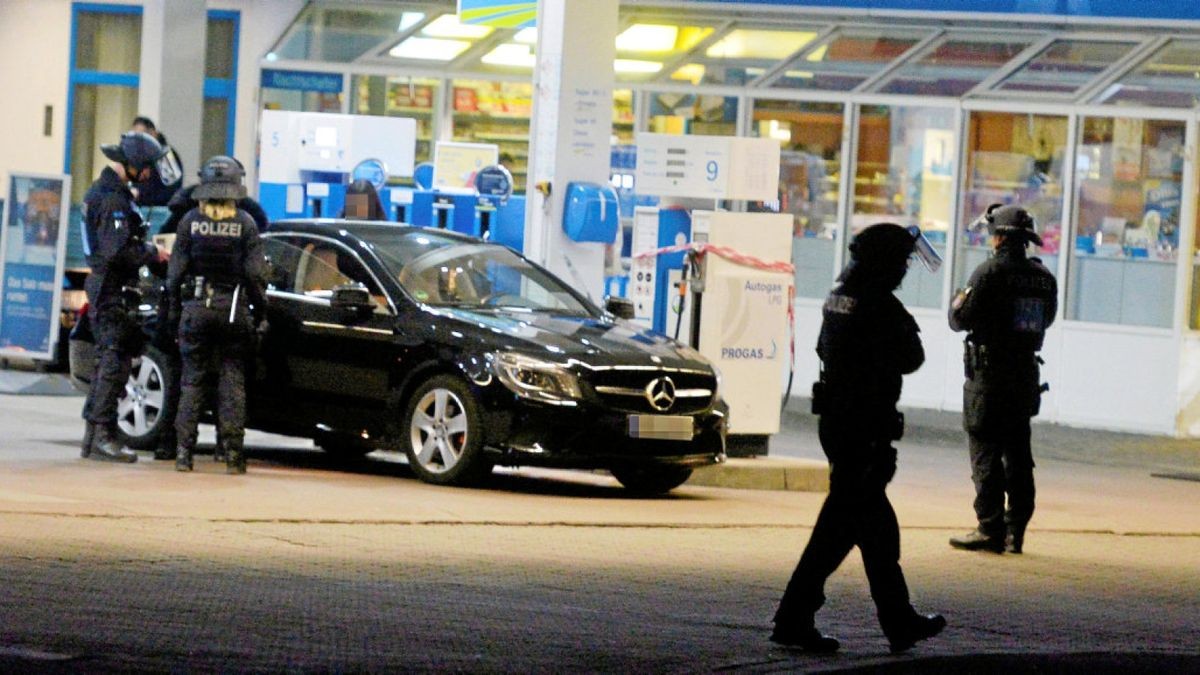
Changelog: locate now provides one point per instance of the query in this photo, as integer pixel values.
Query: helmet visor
(923, 250)
(168, 167)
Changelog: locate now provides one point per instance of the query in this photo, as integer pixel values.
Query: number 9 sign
(711, 170)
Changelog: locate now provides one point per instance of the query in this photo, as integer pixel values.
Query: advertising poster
(32, 250)
(455, 165)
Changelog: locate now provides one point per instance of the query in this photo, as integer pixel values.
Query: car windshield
(446, 271)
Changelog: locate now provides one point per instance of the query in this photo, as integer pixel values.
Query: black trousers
(118, 340)
(1002, 464)
(856, 513)
(208, 340)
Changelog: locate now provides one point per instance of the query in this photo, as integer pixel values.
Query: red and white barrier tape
(700, 249)
(725, 252)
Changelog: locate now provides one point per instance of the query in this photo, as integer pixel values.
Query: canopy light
(429, 49)
(511, 55)
(526, 36)
(635, 66)
(408, 20)
(448, 26)
(647, 38)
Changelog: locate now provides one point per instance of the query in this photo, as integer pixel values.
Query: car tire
(344, 446)
(442, 433)
(651, 480)
(143, 412)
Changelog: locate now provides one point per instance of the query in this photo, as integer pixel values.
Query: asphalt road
(308, 565)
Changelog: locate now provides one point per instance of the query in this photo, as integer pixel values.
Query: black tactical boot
(106, 447)
(905, 633)
(978, 541)
(807, 638)
(89, 436)
(183, 459)
(1014, 542)
(235, 458)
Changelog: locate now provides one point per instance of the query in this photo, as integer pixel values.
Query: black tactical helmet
(1010, 220)
(136, 150)
(883, 244)
(220, 178)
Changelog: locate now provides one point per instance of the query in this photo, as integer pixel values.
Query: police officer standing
(868, 341)
(1008, 304)
(217, 282)
(116, 246)
(167, 332)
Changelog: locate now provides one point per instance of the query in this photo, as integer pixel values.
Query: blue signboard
(32, 247)
(302, 80)
(498, 13)
(1166, 9)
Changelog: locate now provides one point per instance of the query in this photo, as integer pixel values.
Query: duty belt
(199, 288)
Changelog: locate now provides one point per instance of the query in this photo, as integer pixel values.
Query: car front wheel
(442, 433)
(651, 480)
(143, 413)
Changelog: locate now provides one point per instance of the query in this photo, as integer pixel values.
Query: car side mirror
(351, 302)
(622, 308)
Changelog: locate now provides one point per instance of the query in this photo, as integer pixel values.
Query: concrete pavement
(306, 564)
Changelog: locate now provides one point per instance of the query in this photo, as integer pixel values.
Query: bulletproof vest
(1021, 305)
(98, 205)
(218, 248)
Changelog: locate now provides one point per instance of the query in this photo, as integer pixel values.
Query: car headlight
(535, 379)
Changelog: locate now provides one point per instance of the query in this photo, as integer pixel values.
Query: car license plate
(661, 427)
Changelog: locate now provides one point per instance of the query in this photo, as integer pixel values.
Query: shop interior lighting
(429, 49)
(692, 72)
(766, 44)
(511, 55)
(818, 54)
(526, 36)
(636, 66)
(409, 19)
(448, 26)
(648, 38)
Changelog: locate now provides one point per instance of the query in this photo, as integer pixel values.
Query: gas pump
(737, 291)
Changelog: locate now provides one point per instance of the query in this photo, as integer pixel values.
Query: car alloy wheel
(141, 403)
(439, 430)
(443, 433)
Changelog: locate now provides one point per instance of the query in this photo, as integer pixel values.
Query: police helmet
(136, 150)
(1007, 221)
(884, 244)
(220, 178)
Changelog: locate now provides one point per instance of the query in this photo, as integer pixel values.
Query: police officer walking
(868, 341)
(115, 243)
(217, 282)
(1008, 304)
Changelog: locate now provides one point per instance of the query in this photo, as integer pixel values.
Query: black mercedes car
(460, 352)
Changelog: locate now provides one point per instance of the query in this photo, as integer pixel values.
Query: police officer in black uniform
(1008, 304)
(167, 332)
(217, 281)
(868, 341)
(116, 247)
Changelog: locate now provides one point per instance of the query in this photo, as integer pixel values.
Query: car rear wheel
(651, 480)
(442, 433)
(143, 413)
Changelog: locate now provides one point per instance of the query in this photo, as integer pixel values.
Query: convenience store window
(391, 96)
(624, 123)
(1128, 175)
(1171, 78)
(495, 112)
(904, 174)
(1012, 158)
(1064, 67)
(643, 49)
(955, 65)
(847, 59)
(810, 136)
(744, 55)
